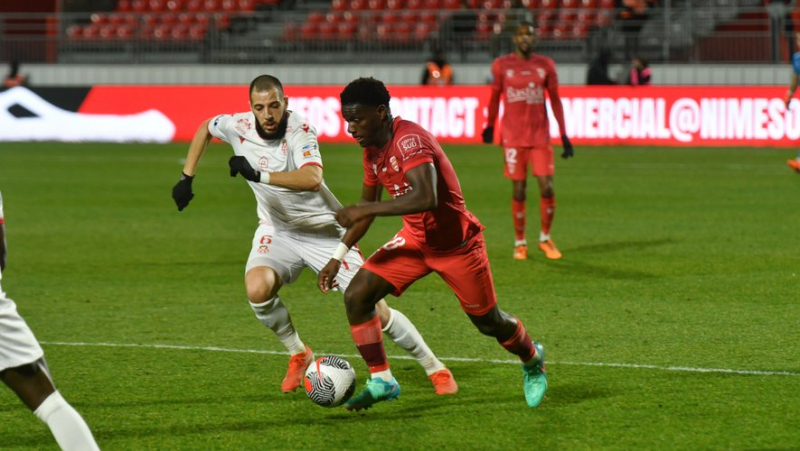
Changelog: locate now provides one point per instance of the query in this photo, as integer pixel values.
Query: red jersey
(448, 225)
(523, 83)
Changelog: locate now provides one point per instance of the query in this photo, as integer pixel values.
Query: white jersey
(306, 212)
(1, 222)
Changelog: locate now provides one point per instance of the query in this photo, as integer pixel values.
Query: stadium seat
(604, 18)
(414, 4)
(376, 5)
(149, 20)
(358, 5)
(197, 32)
(451, 5)
(606, 4)
(588, 3)
(193, 6)
(548, 5)
(346, 31)
(210, 6)
(328, 30)
(401, 33)
(315, 17)
(124, 6)
(229, 6)
(428, 17)
(157, 5)
(168, 19)
(202, 19)
(108, 32)
(390, 17)
(421, 32)
(179, 33)
(98, 19)
(186, 18)
(431, 4)
(74, 32)
(139, 6)
(174, 6)
(339, 5)
(409, 17)
(308, 31)
(246, 5)
(125, 32)
(394, 5)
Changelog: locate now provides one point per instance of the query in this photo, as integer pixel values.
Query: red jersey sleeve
(555, 100)
(413, 151)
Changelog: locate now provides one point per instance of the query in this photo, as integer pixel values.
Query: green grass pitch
(670, 323)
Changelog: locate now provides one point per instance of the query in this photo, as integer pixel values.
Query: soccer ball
(330, 381)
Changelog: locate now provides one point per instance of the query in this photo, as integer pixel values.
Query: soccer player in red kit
(523, 78)
(439, 235)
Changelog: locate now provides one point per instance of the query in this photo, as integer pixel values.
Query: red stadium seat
(99, 19)
(179, 33)
(428, 17)
(149, 20)
(315, 17)
(421, 32)
(569, 4)
(246, 5)
(604, 18)
(222, 21)
(193, 6)
(186, 18)
(74, 32)
(548, 4)
(138, 6)
(124, 6)
(376, 5)
(390, 17)
(350, 18)
(358, 5)
(108, 31)
(401, 33)
(174, 6)
(585, 18)
(579, 32)
(606, 4)
(327, 30)
(451, 4)
(588, 3)
(431, 4)
(197, 32)
(346, 31)
(161, 32)
(339, 5)
(409, 17)
(308, 30)
(211, 6)
(91, 32)
(414, 4)
(168, 19)
(530, 4)
(125, 32)
(394, 5)
(229, 6)
(383, 32)
(157, 5)
(202, 19)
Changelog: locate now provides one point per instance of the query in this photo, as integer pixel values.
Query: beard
(279, 133)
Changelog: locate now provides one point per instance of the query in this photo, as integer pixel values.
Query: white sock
(544, 236)
(520, 243)
(275, 316)
(403, 332)
(66, 424)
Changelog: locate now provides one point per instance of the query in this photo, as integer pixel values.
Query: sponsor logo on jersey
(409, 145)
(243, 125)
(530, 94)
(393, 162)
(283, 147)
(263, 163)
(308, 150)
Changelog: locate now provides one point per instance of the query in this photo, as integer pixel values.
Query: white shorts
(18, 346)
(288, 253)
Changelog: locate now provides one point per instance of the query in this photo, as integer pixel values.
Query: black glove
(568, 151)
(239, 164)
(182, 191)
(488, 134)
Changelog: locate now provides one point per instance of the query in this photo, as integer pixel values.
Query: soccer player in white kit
(277, 151)
(23, 369)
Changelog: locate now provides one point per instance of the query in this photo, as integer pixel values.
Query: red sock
(518, 214)
(369, 341)
(520, 343)
(547, 208)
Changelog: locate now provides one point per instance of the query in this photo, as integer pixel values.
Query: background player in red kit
(522, 78)
(439, 235)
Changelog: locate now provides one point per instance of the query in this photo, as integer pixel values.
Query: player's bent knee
(262, 284)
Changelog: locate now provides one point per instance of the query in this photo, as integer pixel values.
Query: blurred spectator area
(378, 31)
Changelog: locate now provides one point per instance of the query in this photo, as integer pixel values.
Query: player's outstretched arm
(182, 191)
(420, 196)
(307, 178)
(792, 89)
(326, 279)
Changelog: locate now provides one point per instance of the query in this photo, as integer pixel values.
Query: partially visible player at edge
(23, 369)
(794, 163)
(276, 151)
(439, 235)
(522, 78)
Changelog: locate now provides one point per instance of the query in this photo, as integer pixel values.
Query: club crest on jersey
(263, 163)
(263, 244)
(243, 125)
(284, 147)
(510, 73)
(304, 127)
(409, 145)
(541, 72)
(393, 162)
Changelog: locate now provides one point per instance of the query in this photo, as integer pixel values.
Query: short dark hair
(264, 83)
(366, 91)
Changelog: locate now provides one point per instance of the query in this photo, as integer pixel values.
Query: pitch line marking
(454, 359)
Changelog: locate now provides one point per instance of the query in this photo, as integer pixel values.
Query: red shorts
(517, 159)
(402, 261)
